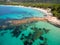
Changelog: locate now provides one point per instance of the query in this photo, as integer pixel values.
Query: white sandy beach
(48, 14)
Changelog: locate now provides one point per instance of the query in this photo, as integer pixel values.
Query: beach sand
(48, 16)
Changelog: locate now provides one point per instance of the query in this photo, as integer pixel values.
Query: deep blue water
(11, 12)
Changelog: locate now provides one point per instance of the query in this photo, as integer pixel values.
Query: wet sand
(51, 20)
(28, 20)
(48, 17)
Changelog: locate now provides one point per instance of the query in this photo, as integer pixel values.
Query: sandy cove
(48, 16)
(52, 20)
(29, 20)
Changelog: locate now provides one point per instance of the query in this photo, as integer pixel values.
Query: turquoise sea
(36, 33)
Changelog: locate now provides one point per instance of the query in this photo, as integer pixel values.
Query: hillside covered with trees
(40, 1)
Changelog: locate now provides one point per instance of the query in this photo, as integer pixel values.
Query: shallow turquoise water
(53, 36)
(7, 38)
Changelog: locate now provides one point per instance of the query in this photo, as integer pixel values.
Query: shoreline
(40, 9)
(54, 21)
(48, 15)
